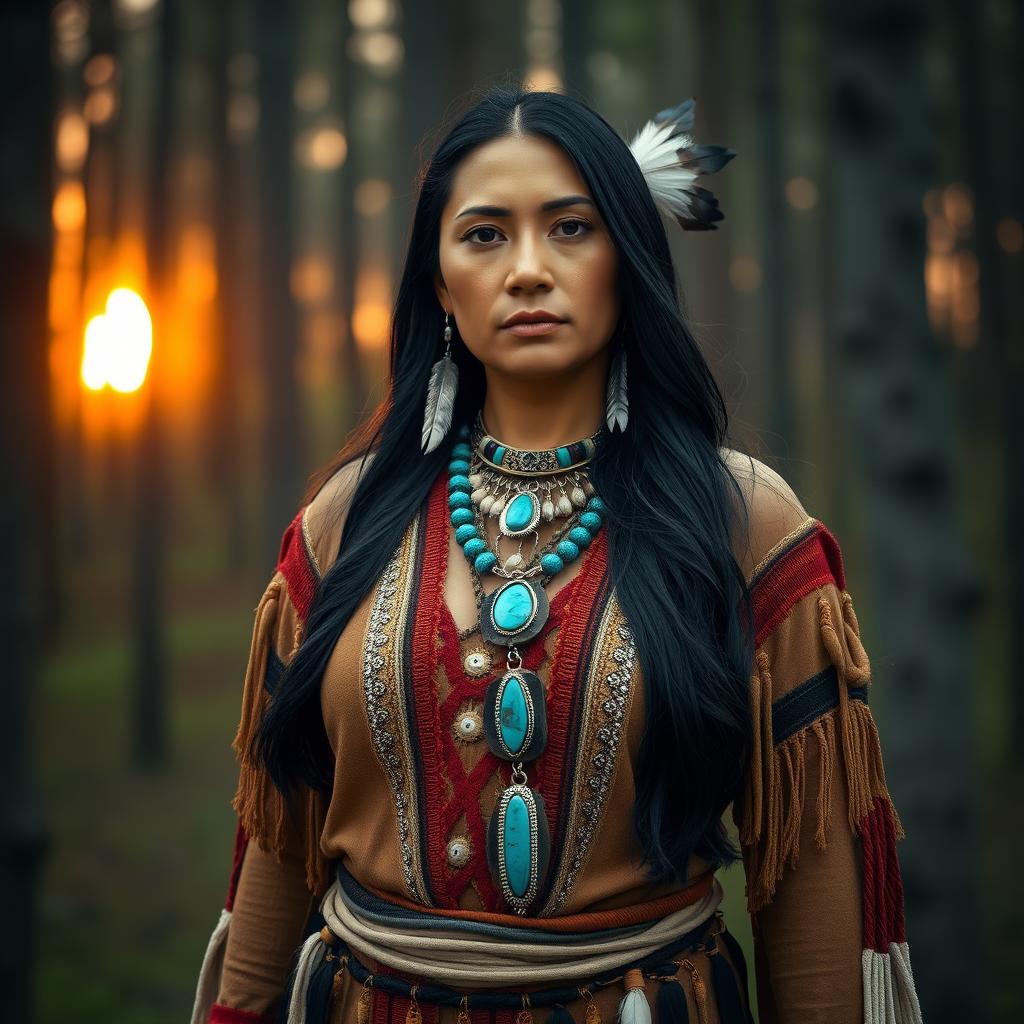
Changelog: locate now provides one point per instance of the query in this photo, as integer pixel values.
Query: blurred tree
(25, 460)
(895, 397)
(283, 445)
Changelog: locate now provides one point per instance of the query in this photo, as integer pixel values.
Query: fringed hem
(773, 801)
(208, 985)
(890, 996)
(263, 810)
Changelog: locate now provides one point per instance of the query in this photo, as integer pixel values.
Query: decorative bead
(595, 504)
(486, 503)
(464, 430)
(459, 499)
(459, 851)
(485, 562)
(467, 531)
(547, 510)
(564, 506)
(461, 451)
(567, 551)
(578, 535)
(474, 547)
(477, 662)
(462, 516)
(469, 726)
(476, 479)
(458, 466)
(497, 506)
(588, 487)
(459, 482)
(552, 564)
(578, 498)
(478, 495)
(514, 607)
(591, 520)
(513, 561)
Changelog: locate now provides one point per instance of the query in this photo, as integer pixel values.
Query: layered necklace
(519, 487)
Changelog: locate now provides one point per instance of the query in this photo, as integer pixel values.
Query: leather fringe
(260, 805)
(773, 800)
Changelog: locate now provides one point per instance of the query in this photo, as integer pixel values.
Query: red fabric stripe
(564, 684)
(241, 842)
(812, 562)
(884, 920)
(228, 1015)
(294, 564)
(426, 708)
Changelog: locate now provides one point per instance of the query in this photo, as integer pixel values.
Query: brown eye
(582, 227)
(482, 241)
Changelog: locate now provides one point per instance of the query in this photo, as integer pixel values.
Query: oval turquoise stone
(518, 858)
(460, 482)
(467, 531)
(485, 561)
(520, 512)
(595, 504)
(591, 520)
(578, 535)
(473, 547)
(462, 516)
(551, 564)
(514, 715)
(513, 607)
(567, 551)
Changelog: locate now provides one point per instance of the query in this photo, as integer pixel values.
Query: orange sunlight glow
(118, 344)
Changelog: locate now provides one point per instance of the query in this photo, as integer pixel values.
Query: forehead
(516, 171)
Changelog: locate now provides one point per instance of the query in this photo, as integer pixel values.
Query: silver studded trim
(384, 690)
(609, 693)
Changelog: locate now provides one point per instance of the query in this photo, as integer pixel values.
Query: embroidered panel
(607, 697)
(385, 670)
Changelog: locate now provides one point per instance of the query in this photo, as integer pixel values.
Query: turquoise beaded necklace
(515, 720)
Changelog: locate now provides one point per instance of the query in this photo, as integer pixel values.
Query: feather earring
(671, 162)
(441, 390)
(616, 403)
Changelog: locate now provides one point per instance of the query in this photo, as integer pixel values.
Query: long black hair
(673, 506)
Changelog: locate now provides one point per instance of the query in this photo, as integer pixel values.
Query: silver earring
(441, 391)
(616, 402)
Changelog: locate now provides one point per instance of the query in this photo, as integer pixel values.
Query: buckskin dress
(414, 784)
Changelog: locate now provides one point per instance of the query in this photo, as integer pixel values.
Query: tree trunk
(25, 174)
(896, 399)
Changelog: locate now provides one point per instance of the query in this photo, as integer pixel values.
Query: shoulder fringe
(261, 807)
(773, 800)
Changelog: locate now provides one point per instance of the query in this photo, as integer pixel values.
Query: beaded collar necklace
(520, 487)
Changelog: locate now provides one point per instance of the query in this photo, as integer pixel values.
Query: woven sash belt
(479, 954)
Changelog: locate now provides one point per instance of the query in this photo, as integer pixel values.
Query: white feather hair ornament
(671, 162)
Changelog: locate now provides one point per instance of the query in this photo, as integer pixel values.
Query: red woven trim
(294, 563)
(241, 842)
(884, 920)
(228, 1015)
(813, 561)
(426, 709)
(565, 686)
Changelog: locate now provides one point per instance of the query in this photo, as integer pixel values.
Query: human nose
(529, 267)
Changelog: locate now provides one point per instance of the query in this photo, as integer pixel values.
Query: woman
(535, 629)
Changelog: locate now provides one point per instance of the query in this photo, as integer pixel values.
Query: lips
(533, 316)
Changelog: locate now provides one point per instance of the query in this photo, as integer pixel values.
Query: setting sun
(118, 344)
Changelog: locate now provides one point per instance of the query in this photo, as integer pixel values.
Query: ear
(442, 291)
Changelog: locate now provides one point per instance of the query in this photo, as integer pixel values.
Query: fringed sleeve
(816, 822)
(278, 870)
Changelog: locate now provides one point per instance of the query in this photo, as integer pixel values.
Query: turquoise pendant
(518, 845)
(520, 515)
(515, 716)
(514, 613)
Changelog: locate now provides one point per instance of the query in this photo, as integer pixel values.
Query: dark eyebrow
(501, 211)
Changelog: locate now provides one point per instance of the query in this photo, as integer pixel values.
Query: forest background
(245, 172)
